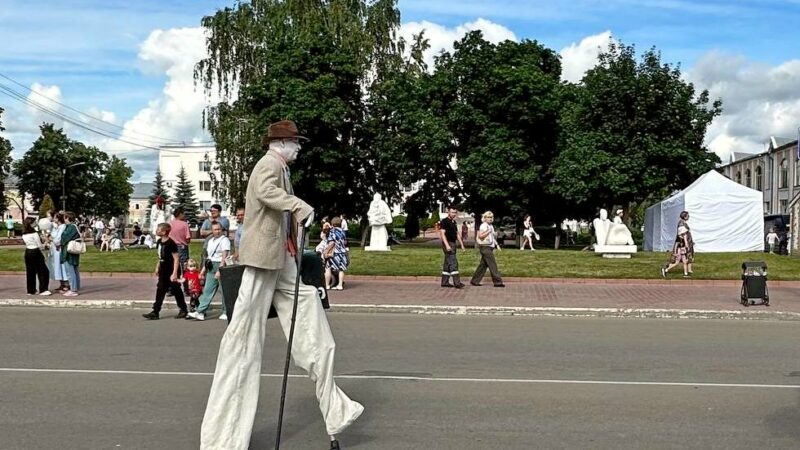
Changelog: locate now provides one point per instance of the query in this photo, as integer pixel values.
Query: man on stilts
(448, 232)
(268, 251)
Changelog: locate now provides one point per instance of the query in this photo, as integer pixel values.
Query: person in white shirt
(99, 227)
(219, 246)
(773, 239)
(487, 245)
(35, 266)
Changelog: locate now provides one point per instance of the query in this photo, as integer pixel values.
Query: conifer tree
(184, 196)
(158, 189)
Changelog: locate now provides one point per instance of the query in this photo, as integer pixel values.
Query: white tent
(724, 217)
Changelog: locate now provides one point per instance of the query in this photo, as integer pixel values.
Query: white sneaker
(192, 315)
(199, 316)
(45, 293)
(223, 317)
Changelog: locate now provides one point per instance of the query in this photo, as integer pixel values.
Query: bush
(428, 223)
(399, 222)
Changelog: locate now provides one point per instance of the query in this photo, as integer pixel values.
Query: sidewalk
(569, 297)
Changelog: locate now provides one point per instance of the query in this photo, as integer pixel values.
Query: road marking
(418, 378)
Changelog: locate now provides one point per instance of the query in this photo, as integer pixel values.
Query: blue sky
(93, 55)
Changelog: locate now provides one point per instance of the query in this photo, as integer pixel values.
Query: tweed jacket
(268, 195)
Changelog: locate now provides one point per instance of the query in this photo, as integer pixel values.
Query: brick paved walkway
(678, 295)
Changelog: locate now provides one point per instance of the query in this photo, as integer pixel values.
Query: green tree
(112, 191)
(158, 190)
(5, 165)
(47, 205)
(501, 104)
(308, 61)
(631, 132)
(55, 161)
(184, 196)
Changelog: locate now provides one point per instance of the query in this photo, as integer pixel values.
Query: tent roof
(713, 182)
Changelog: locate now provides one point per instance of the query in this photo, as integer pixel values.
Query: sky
(130, 63)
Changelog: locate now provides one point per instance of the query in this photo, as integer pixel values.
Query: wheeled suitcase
(312, 272)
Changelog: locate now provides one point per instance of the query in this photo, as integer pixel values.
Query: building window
(205, 205)
(205, 186)
(204, 166)
(783, 204)
(169, 184)
(797, 172)
(748, 178)
(766, 208)
(739, 177)
(783, 175)
(136, 206)
(759, 183)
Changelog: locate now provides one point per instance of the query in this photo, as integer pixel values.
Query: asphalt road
(108, 379)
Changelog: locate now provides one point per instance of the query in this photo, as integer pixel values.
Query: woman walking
(219, 246)
(684, 222)
(337, 249)
(35, 266)
(487, 245)
(57, 270)
(528, 233)
(71, 261)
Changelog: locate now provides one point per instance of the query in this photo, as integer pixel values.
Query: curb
(433, 279)
(532, 311)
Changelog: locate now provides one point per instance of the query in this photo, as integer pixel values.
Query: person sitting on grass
(105, 241)
(167, 274)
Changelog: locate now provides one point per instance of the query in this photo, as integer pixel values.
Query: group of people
(180, 275)
(487, 244)
(52, 235)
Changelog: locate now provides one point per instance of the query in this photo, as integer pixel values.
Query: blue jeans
(74, 277)
(209, 289)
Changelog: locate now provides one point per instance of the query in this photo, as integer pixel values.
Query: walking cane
(299, 258)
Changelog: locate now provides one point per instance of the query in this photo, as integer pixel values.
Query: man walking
(181, 235)
(448, 232)
(268, 251)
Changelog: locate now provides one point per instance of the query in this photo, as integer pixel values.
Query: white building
(198, 161)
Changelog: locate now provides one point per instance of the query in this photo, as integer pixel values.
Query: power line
(23, 99)
(166, 140)
(106, 133)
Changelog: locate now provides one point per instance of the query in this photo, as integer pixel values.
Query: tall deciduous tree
(54, 161)
(306, 60)
(501, 103)
(112, 193)
(5, 165)
(631, 132)
(158, 190)
(184, 196)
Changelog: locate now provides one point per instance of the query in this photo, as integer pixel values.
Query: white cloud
(577, 58)
(442, 38)
(758, 101)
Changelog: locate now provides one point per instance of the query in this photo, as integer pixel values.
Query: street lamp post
(63, 176)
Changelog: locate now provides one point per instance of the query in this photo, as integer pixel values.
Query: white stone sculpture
(379, 216)
(613, 238)
(158, 215)
(619, 234)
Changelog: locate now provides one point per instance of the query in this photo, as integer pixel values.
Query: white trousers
(232, 403)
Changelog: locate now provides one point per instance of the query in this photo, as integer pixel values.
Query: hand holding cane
(299, 260)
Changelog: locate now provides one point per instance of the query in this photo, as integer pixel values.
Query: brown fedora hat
(285, 129)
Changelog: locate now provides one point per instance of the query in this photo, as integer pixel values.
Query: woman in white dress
(57, 271)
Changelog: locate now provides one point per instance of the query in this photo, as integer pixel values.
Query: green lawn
(426, 261)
